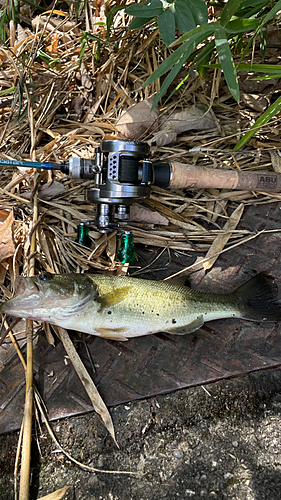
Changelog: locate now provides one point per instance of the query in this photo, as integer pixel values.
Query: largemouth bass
(123, 307)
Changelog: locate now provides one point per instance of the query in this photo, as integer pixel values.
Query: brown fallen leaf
(7, 246)
(138, 119)
(163, 137)
(142, 214)
(47, 191)
(192, 118)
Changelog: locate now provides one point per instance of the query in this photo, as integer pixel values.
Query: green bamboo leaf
(9, 91)
(229, 10)
(110, 16)
(203, 57)
(32, 4)
(242, 25)
(272, 13)
(199, 10)
(179, 56)
(207, 29)
(168, 81)
(82, 52)
(20, 94)
(166, 25)
(263, 44)
(266, 77)
(227, 63)
(250, 9)
(263, 120)
(183, 17)
(254, 68)
(78, 5)
(138, 22)
(150, 9)
(261, 68)
(249, 3)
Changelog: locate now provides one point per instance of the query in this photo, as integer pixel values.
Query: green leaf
(207, 28)
(254, 68)
(181, 55)
(199, 10)
(229, 10)
(249, 3)
(183, 17)
(263, 44)
(265, 77)
(263, 120)
(272, 13)
(203, 57)
(175, 62)
(227, 63)
(9, 91)
(166, 25)
(82, 51)
(20, 94)
(242, 25)
(261, 68)
(250, 9)
(150, 9)
(168, 81)
(138, 22)
(110, 15)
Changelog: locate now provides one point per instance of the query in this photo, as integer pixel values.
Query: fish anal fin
(112, 333)
(190, 328)
(114, 297)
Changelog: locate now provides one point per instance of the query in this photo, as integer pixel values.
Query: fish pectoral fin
(112, 333)
(190, 328)
(111, 298)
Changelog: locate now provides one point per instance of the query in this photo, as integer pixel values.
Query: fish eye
(45, 277)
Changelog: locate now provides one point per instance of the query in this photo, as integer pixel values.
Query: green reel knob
(126, 253)
(82, 235)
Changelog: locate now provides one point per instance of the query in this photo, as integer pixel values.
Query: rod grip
(193, 177)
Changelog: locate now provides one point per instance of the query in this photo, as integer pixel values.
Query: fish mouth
(27, 301)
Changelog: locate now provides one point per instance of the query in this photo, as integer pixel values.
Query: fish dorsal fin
(179, 281)
(190, 328)
(114, 297)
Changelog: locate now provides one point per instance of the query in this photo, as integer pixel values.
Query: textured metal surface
(161, 363)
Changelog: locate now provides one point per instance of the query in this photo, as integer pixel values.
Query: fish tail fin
(259, 297)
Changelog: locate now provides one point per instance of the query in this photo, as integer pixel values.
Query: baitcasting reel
(122, 173)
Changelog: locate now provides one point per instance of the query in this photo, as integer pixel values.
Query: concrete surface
(220, 441)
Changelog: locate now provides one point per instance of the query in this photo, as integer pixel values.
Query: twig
(28, 410)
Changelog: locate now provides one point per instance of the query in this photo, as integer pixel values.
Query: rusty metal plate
(161, 363)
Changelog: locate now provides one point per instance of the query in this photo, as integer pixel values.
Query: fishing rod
(123, 173)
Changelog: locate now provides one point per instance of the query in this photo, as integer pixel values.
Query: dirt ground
(213, 442)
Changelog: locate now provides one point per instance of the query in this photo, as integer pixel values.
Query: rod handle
(193, 177)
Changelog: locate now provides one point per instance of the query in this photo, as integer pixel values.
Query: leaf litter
(56, 103)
